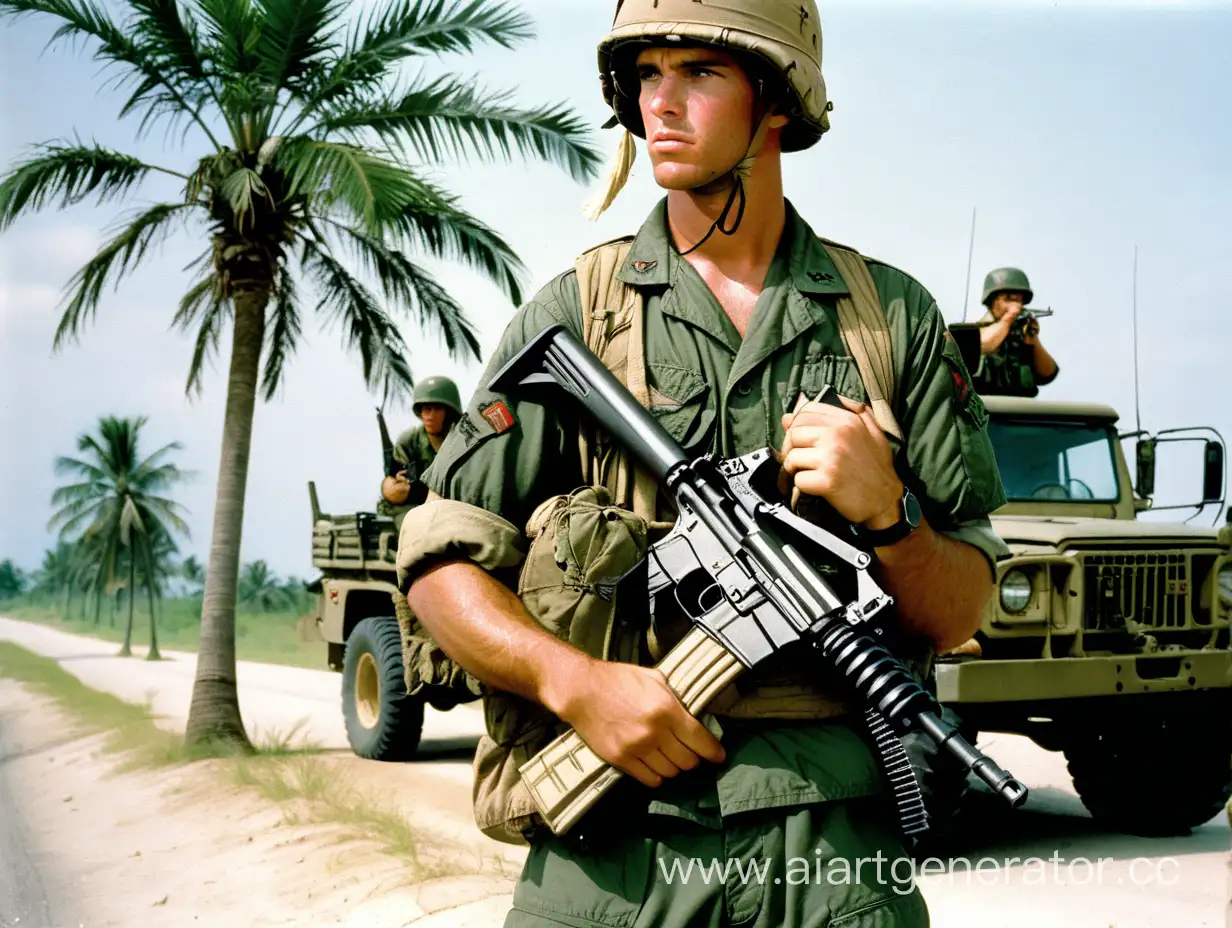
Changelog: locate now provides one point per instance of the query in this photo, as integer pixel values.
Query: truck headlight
(1225, 584)
(1016, 590)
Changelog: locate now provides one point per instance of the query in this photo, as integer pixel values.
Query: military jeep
(1108, 635)
(383, 708)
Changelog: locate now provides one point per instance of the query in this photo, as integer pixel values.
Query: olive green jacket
(714, 391)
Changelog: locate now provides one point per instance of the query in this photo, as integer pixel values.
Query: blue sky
(1078, 131)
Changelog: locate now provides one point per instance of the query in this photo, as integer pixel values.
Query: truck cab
(1108, 634)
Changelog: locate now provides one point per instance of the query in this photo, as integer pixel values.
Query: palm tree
(114, 504)
(193, 574)
(55, 576)
(260, 589)
(313, 147)
(12, 580)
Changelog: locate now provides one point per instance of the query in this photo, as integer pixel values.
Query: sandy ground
(188, 846)
(1047, 864)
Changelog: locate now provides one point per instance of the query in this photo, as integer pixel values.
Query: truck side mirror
(1212, 474)
(1145, 484)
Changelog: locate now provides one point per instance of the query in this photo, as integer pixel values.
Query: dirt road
(29, 897)
(1047, 864)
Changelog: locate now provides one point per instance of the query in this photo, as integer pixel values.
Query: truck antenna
(1137, 407)
(970, 255)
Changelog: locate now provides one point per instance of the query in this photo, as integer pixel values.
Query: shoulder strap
(866, 333)
(614, 331)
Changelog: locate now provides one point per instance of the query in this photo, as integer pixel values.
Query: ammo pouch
(580, 547)
(425, 664)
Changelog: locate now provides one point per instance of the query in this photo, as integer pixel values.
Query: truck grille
(1149, 589)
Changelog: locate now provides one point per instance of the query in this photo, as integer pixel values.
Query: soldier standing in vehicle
(1013, 359)
(742, 305)
(437, 404)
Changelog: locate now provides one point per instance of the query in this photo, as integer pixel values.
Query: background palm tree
(261, 590)
(56, 576)
(313, 149)
(12, 580)
(115, 504)
(193, 575)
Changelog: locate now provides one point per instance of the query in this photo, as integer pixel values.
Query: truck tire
(382, 721)
(1158, 779)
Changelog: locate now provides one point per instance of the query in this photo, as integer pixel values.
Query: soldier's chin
(677, 175)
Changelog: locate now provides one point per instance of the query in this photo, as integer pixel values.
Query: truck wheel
(382, 721)
(1157, 780)
(942, 779)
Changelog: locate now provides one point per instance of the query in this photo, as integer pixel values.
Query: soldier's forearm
(1043, 362)
(483, 626)
(941, 585)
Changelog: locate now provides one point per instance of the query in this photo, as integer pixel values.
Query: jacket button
(743, 388)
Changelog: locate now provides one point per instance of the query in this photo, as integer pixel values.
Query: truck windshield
(1054, 460)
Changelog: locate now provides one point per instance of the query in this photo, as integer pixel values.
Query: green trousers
(827, 864)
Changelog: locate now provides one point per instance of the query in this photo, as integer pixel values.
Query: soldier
(1013, 359)
(438, 406)
(741, 303)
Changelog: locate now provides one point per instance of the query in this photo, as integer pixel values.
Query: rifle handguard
(567, 778)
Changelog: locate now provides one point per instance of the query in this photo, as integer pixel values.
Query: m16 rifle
(753, 578)
(387, 445)
(1026, 317)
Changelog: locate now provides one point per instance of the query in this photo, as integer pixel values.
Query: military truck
(356, 554)
(1108, 635)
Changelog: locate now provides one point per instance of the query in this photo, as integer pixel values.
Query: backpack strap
(866, 333)
(613, 329)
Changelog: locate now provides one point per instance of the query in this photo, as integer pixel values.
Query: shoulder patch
(498, 416)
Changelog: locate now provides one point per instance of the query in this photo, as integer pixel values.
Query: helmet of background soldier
(1005, 279)
(437, 390)
(782, 38)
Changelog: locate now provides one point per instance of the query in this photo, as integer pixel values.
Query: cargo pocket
(839, 372)
(562, 883)
(680, 399)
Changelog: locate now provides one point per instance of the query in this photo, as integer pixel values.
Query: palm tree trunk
(214, 714)
(154, 655)
(127, 649)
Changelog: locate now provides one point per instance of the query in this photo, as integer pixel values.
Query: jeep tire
(1155, 778)
(383, 722)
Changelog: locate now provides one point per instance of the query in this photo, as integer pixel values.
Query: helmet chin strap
(734, 178)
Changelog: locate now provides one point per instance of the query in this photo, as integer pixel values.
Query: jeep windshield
(1054, 459)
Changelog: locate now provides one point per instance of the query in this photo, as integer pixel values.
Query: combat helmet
(782, 35)
(437, 390)
(1007, 278)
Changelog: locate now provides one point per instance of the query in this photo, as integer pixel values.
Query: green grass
(130, 728)
(269, 637)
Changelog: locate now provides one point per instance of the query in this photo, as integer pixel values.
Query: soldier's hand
(992, 335)
(843, 456)
(396, 489)
(1030, 332)
(630, 717)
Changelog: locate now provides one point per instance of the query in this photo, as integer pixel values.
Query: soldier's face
(697, 107)
(1002, 303)
(433, 417)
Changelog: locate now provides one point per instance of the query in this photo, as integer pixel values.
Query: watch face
(911, 508)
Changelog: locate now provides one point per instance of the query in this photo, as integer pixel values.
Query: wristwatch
(909, 518)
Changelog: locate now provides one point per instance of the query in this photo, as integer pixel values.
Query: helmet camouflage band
(782, 36)
(785, 34)
(437, 390)
(1006, 279)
